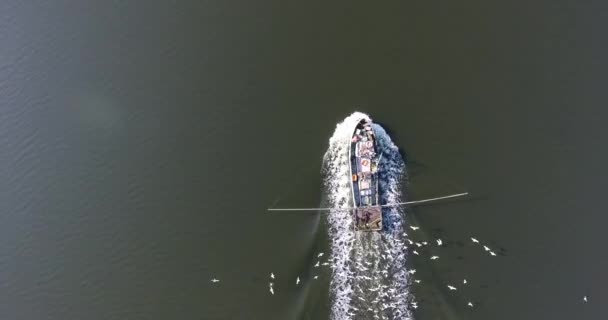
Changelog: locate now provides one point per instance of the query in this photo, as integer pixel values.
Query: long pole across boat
(384, 205)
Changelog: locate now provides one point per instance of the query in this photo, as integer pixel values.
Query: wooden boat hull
(364, 178)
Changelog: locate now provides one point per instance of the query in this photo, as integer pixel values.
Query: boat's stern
(368, 218)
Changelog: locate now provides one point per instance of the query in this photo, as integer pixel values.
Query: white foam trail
(369, 275)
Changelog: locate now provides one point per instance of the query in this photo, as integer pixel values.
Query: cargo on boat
(364, 181)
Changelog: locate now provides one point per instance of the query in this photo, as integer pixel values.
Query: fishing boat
(364, 160)
(364, 163)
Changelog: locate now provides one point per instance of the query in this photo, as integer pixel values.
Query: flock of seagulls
(413, 304)
(435, 257)
(273, 277)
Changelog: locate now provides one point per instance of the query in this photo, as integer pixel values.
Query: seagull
(486, 248)
(418, 244)
(417, 281)
(412, 271)
(271, 275)
(315, 277)
(451, 287)
(320, 255)
(464, 281)
(297, 280)
(415, 252)
(470, 304)
(585, 299)
(492, 253)
(271, 290)
(424, 243)
(316, 265)
(414, 228)
(439, 242)
(474, 240)
(434, 257)
(214, 280)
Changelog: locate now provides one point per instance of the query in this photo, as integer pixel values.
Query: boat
(364, 163)
(364, 160)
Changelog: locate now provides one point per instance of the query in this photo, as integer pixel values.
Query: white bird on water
(315, 277)
(414, 228)
(271, 290)
(451, 287)
(214, 280)
(434, 257)
(316, 265)
(474, 240)
(417, 281)
(464, 281)
(297, 280)
(320, 255)
(470, 304)
(439, 242)
(415, 252)
(271, 275)
(585, 299)
(492, 253)
(486, 248)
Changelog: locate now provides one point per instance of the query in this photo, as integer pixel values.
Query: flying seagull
(470, 304)
(320, 255)
(585, 299)
(486, 248)
(271, 275)
(297, 280)
(451, 287)
(439, 242)
(214, 280)
(474, 240)
(434, 257)
(414, 228)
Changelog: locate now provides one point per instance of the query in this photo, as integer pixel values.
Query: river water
(142, 141)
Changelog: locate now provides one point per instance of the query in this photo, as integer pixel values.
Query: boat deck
(363, 163)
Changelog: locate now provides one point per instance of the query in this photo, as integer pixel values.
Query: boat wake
(369, 275)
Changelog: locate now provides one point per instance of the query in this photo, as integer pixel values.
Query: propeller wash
(369, 276)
